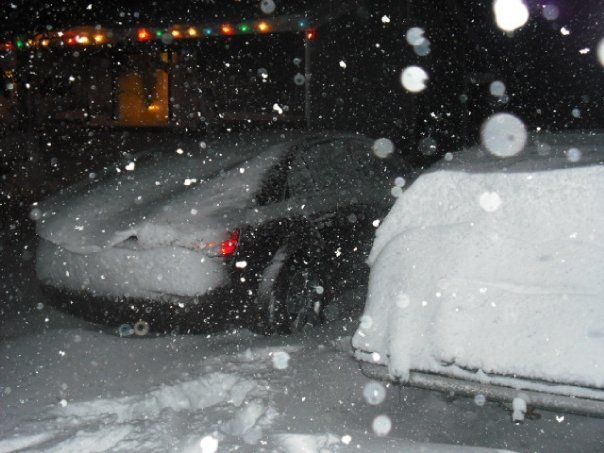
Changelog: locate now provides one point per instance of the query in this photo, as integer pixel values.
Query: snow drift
(167, 197)
(494, 266)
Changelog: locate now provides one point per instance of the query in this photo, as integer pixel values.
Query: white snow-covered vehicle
(487, 278)
(253, 226)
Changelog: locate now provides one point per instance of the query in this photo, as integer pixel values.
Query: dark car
(259, 231)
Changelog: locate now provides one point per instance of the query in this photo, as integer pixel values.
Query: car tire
(290, 295)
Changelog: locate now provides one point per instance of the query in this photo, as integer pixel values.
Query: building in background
(307, 63)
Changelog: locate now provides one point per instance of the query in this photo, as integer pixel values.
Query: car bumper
(565, 398)
(215, 310)
(130, 272)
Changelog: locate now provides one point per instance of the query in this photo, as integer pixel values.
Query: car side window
(327, 163)
(299, 179)
(375, 171)
(273, 188)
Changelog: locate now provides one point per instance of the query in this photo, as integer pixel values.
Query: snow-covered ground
(67, 385)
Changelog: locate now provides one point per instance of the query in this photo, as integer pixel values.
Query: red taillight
(229, 246)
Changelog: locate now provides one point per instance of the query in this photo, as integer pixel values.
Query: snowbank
(494, 270)
(217, 407)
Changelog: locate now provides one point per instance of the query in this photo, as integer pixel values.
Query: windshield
(302, 225)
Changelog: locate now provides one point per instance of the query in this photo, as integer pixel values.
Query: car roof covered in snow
(543, 151)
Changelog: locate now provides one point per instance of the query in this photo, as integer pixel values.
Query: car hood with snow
(492, 270)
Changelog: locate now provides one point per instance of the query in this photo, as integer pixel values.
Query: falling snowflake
(299, 79)
(415, 36)
(396, 191)
(550, 12)
(382, 147)
(267, 6)
(374, 393)
(381, 425)
(208, 444)
(497, 88)
(280, 360)
(490, 201)
(35, 214)
(480, 399)
(510, 14)
(504, 135)
(573, 155)
(414, 78)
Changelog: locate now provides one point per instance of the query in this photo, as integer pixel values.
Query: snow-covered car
(487, 278)
(247, 228)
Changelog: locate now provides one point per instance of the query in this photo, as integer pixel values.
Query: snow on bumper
(124, 272)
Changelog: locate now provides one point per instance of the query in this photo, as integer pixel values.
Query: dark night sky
(22, 16)
(539, 61)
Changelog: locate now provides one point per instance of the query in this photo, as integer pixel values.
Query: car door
(333, 171)
(264, 228)
(286, 213)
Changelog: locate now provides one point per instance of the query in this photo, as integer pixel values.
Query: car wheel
(290, 296)
(303, 299)
(141, 328)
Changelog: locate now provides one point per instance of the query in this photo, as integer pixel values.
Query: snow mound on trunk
(496, 271)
